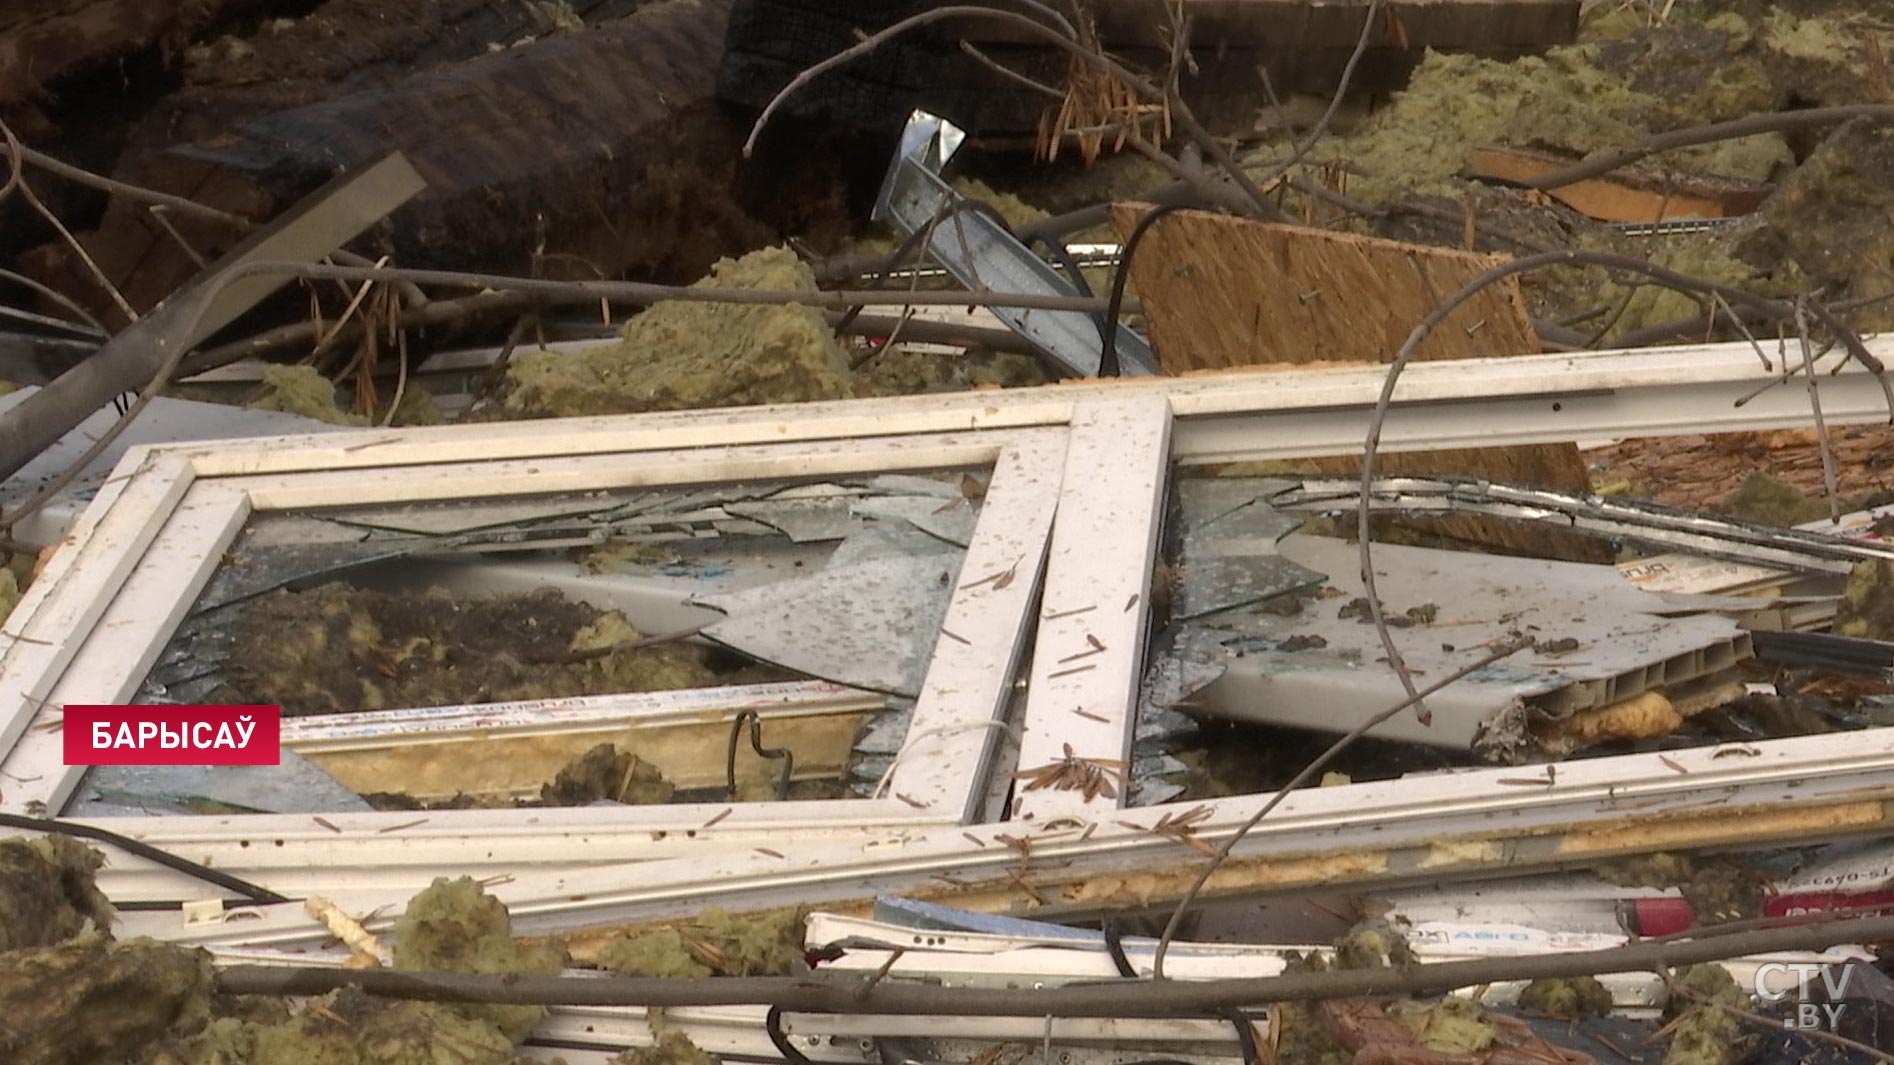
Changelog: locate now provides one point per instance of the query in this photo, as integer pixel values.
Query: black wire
(1115, 946)
(1245, 1033)
(1108, 355)
(205, 873)
(773, 1025)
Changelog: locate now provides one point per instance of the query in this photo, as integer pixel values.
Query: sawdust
(680, 355)
(338, 649)
(607, 774)
(1641, 716)
(1824, 57)
(454, 926)
(1301, 1034)
(1571, 997)
(48, 893)
(1373, 944)
(88, 999)
(69, 994)
(714, 943)
(1574, 100)
(301, 390)
(1701, 1033)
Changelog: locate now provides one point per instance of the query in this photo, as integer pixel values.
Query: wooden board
(1626, 196)
(1411, 24)
(1221, 292)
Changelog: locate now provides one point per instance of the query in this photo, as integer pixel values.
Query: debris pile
(788, 532)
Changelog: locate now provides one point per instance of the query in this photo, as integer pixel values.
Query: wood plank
(1627, 196)
(1223, 292)
(1301, 24)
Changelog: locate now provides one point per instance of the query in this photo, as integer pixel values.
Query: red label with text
(173, 735)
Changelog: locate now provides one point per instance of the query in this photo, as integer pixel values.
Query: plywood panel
(1222, 292)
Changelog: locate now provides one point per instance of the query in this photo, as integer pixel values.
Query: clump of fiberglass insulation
(680, 355)
(69, 993)
(451, 927)
(336, 648)
(47, 892)
(345, 1027)
(715, 943)
(1703, 1028)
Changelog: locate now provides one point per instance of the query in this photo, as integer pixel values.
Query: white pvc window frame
(120, 587)
(1112, 446)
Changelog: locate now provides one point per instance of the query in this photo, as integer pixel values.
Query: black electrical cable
(252, 892)
(773, 1026)
(1115, 946)
(1245, 1033)
(1108, 355)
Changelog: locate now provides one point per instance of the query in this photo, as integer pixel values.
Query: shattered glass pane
(482, 609)
(1226, 556)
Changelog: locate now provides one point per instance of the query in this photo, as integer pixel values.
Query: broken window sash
(966, 683)
(1468, 823)
(1075, 744)
(511, 749)
(1228, 417)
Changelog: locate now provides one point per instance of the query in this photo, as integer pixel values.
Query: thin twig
(1823, 445)
(135, 193)
(64, 301)
(18, 183)
(1064, 37)
(1009, 73)
(1335, 102)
